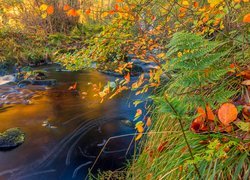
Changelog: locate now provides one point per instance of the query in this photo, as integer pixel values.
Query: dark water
(81, 128)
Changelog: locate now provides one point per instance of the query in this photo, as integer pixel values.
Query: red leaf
(116, 7)
(162, 146)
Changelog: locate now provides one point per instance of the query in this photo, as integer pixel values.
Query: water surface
(80, 128)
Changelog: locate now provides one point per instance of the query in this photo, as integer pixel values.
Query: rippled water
(80, 129)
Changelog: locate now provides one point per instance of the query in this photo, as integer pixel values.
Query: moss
(11, 138)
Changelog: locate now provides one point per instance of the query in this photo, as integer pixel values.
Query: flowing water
(75, 132)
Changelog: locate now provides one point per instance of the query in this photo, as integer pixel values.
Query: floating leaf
(127, 78)
(138, 113)
(138, 137)
(149, 122)
(161, 55)
(136, 103)
(227, 113)
(71, 88)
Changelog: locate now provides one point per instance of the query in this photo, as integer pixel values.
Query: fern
(198, 68)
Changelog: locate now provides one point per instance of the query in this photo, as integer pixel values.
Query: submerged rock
(127, 122)
(11, 139)
(7, 79)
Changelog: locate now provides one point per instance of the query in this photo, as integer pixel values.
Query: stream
(65, 132)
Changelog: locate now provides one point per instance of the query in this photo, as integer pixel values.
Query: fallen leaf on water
(227, 113)
(127, 78)
(73, 87)
(149, 121)
(139, 136)
(138, 113)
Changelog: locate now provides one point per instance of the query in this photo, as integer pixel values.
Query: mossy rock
(11, 139)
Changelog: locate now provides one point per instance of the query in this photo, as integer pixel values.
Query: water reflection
(81, 128)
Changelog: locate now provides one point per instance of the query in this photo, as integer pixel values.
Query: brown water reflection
(81, 127)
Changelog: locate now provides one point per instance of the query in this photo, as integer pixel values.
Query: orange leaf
(183, 10)
(196, 4)
(50, 10)
(72, 13)
(246, 18)
(149, 121)
(66, 7)
(127, 78)
(227, 113)
(88, 11)
(73, 87)
(111, 12)
(117, 7)
(139, 136)
(245, 74)
(232, 66)
(140, 128)
(210, 114)
(201, 112)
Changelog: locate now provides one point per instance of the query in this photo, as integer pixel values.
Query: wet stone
(11, 139)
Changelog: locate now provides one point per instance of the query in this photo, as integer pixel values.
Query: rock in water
(11, 139)
(6, 79)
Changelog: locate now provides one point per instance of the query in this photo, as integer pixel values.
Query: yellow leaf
(105, 14)
(161, 55)
(138, 136)
(43, 7)
(140, 128)
(44, 15)
(185, 3)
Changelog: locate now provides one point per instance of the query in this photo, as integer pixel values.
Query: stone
(11, 139)
(6, 79)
